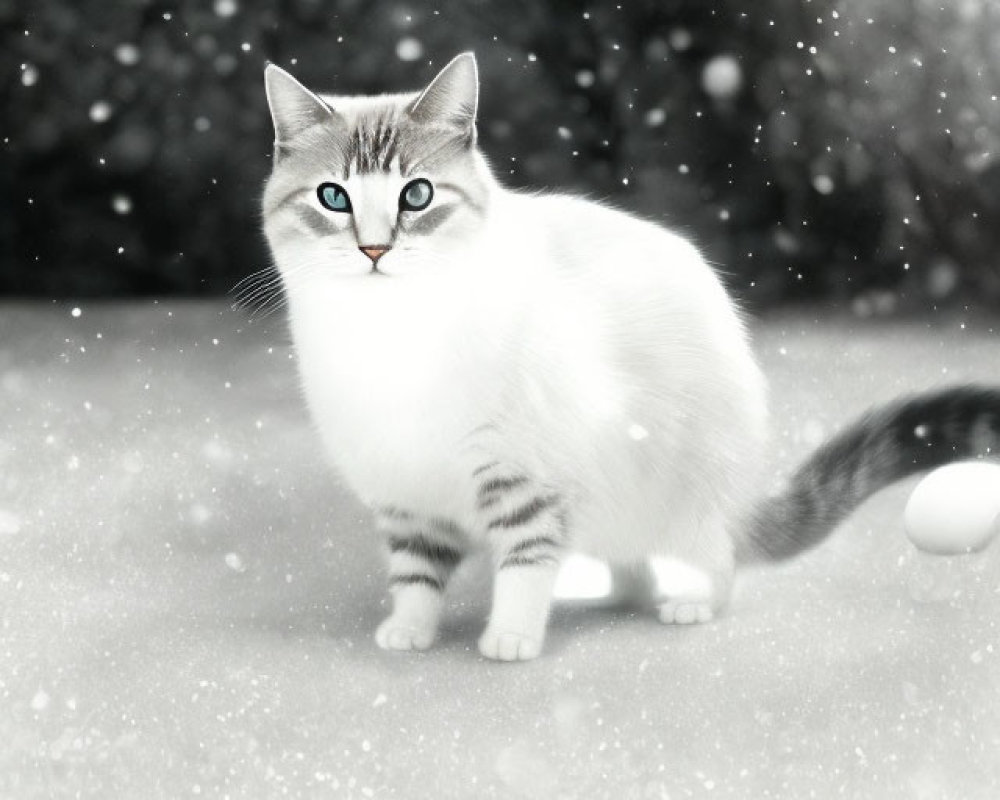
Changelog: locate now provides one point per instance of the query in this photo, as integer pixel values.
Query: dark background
(845, 152)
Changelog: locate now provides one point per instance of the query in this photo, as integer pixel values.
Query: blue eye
(333, 197)
(416, 195)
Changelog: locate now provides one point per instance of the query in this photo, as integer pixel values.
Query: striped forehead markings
(372, 148)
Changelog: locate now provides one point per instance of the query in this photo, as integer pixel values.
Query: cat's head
(380, 185)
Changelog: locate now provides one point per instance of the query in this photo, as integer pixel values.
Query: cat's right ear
(294, 109)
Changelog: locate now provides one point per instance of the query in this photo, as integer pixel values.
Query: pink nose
(375, 252)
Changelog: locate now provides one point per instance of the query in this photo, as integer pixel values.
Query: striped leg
(423, 553)
(525, 525)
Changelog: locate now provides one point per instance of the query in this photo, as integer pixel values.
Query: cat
(539, 374)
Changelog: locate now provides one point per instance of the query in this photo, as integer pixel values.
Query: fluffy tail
(886, 444)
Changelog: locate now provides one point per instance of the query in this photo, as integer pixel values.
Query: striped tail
(915, 433)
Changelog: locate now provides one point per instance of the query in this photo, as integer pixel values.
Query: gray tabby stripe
(502, 483)
(528, 544)
(468, 198)
(524, 514)
(394, 513)
(314, 221)
(372, 149)
(493, 490)
(289, 199)
(440, 525)
(422, 547)
(416, 578)
(430, 221)
(528, 561)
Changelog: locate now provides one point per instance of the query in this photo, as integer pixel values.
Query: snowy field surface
(187, 601)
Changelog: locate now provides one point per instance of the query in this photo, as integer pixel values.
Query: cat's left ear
(452, 97)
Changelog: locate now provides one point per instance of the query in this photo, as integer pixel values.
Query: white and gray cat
(538, 374)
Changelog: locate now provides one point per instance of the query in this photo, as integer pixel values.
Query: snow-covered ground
(187, 602)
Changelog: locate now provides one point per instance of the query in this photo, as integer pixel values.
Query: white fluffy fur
(595, 351)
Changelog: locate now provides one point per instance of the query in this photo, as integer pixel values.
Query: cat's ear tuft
(452, 98)
(294, 109)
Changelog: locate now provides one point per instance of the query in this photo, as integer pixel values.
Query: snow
(226, 8)
(100, 111)
(29, 74)
(823, 184)
(148, 650)
(409, 49)
(722, 77)
(121, 204)
(655, 117)
(127, 54)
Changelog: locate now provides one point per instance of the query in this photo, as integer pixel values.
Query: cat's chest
(396, 389)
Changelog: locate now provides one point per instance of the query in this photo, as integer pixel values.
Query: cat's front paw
(685, 612)
(508, 646)
(399, 634)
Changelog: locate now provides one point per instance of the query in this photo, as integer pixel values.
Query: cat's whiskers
(252, 279)
(265, 292)
(250, 290)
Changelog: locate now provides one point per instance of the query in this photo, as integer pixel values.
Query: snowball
(722, 77)
(955, 509)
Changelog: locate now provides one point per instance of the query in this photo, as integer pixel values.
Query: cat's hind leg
(423, 554)
(587, 580)
(525, 526)
(694, 583)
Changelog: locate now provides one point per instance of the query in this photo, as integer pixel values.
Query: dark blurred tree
(916, 87)
(833, 149)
